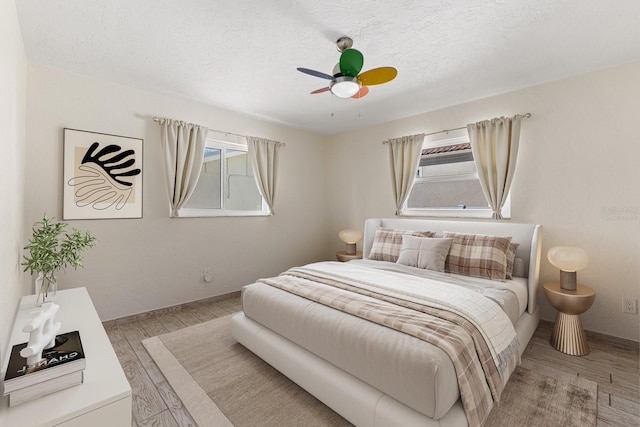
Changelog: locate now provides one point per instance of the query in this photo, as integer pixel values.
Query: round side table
(568, 334)
(343, 256)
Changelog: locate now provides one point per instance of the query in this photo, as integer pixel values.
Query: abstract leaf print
(104, 177)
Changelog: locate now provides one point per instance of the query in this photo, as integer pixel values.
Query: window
(447, 183)
(226, 186)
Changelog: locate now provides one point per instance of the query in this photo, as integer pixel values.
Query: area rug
(223, 384)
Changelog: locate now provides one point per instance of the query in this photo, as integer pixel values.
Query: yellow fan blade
(378, 76)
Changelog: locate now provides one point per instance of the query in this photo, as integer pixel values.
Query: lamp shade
(350, 236)
(568, 258)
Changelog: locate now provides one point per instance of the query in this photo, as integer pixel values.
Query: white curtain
(494, 144)
(404, 156)
(183, 147)
(263, 155)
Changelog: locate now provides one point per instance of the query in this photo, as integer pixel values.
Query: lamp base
(568, 335)
(351, 249)
(568, 280)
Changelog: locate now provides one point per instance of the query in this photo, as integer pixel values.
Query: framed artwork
(102, 176)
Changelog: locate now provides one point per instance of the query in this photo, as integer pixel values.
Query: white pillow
(424, 252)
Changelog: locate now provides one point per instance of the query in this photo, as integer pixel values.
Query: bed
(379, 369)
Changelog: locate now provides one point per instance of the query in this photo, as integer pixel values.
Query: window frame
(480, 213)
(240, 144)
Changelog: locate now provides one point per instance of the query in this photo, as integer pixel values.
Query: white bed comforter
(410, 374)
(484, 313)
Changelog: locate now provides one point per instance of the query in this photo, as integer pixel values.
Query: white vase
(45, 289)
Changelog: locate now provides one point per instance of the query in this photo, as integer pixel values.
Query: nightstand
(568, 334)
(343, 256)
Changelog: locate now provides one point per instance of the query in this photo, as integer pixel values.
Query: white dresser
(104, 399)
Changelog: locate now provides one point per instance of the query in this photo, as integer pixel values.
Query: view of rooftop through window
(447, 178)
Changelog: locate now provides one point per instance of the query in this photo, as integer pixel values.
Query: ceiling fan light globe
(345, 86)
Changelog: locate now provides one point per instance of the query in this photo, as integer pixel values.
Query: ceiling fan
(347, 81)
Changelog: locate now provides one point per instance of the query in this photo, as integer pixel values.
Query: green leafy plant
(51, 249)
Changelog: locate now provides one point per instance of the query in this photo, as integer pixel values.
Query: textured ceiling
(242, 55)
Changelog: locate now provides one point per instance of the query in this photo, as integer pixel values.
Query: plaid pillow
(478, 255)
(387, 243)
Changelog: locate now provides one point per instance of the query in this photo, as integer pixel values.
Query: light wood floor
(613, 364)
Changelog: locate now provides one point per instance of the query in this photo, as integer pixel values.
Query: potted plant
(51, 250)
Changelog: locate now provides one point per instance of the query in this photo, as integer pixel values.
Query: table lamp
(569, 259)
(350, 237)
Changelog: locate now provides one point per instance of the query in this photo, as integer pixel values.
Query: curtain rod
(157, 119)
(524, 116)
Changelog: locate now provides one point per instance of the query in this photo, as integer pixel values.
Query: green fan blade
(351, 62)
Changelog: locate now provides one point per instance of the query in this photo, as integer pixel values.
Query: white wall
(578, 157)
(578, 160)
(144, 264)
(12, 122)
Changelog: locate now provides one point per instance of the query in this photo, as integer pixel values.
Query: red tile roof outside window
(446, 149)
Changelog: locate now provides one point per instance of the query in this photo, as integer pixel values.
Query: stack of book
(62, 366)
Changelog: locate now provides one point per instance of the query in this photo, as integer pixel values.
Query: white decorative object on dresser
(104, 399)
(42, 332)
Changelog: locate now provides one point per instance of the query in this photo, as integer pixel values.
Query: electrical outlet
(629, 305)
(207, 274)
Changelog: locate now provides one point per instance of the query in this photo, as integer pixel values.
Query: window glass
(454, 194)
(447, 182)
(242, 191)
(226, 186)
(207, 193)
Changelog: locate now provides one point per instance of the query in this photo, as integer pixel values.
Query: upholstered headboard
(529, 236)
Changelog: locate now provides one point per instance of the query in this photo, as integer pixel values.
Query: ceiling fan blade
(324, 89)
(361, 93)
(315, 73)
(378, 76)
(351, 62)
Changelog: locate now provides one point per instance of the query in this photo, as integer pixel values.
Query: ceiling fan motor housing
(344, 43)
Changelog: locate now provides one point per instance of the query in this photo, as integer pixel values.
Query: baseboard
(172, 309)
